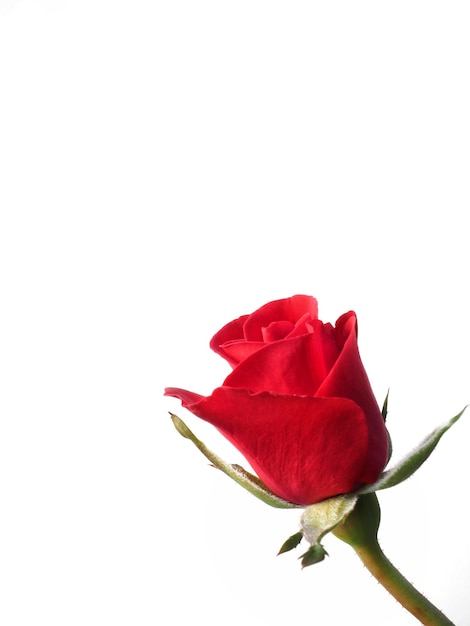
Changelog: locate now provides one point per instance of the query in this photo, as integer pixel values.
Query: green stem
(360, 532)
(400, 588)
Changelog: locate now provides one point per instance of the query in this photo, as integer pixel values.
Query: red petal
(233, 331)
(287, 309)
(293, 366)
(186, 397)
(277, 330)
(304, 449)
(237, 351)
(348, 379)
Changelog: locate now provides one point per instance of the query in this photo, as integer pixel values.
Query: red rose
(298, 403)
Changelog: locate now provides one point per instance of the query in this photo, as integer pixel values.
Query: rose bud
(298, 403)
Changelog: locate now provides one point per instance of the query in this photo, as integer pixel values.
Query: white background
(166, 167)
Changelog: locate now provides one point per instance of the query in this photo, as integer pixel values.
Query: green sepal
(410, 463)
(384, 415)
(291, 543)
(385, 407)
(315, 554)
(250, 482)
(361, 526)
(319, 519)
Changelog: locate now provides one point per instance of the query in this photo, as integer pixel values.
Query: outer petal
(304, 449)
(293, 366)
(187, 397)
(348, 378)
(231, 332)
